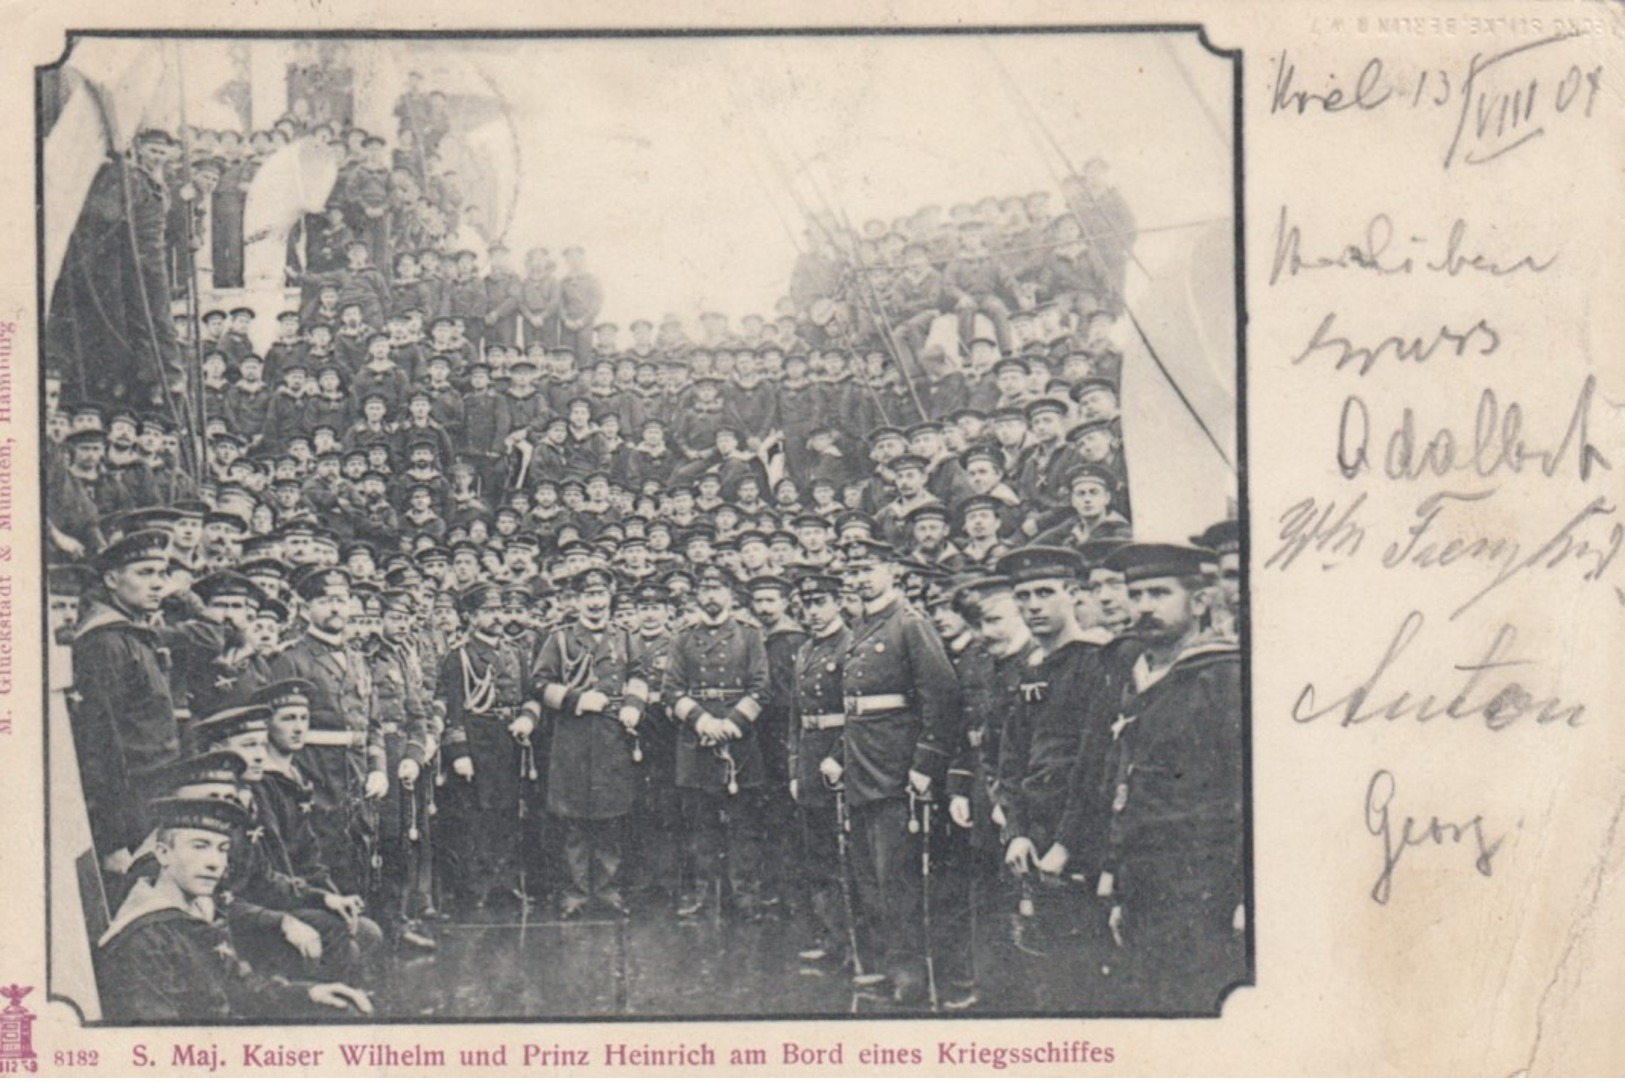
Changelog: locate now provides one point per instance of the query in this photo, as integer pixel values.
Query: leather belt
(814, 723)
(858, 705)
(715, 695)
(335, 738)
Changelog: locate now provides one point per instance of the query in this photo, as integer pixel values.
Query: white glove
(408, 772)
(377, 785)
(1054, 861)
(959, 811)
(463, 768)
(630, 716)
(709, 729)
(831, 770)
(1020, 855)
(302, 938)
(340, 997)
(521, 727)
(592, 702)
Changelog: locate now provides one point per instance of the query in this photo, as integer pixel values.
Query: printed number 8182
(75, 1058)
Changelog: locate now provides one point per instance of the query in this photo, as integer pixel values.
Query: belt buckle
(851, 704)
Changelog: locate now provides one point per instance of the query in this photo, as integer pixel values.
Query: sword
(843, 830)
(919, 822)
(413, 848)
(730, 768)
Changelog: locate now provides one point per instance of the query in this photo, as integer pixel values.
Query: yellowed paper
(1377, 267)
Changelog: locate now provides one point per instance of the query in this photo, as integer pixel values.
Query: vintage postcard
(836, 539)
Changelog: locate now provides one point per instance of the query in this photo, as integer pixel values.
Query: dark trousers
(1180, 947)
(886, 874)
(818, 875)
(399, 886)
(725, 840)
(658, 852)
(592, 859)
(346, 956)
(956, 913)
(342, 820)
(485, 815)
(780, 837)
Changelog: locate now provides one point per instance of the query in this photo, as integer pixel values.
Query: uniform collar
(335, 641)
(883, 604)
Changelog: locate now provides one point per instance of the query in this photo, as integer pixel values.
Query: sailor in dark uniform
(344, 752)
(168, 954)
(408, 728)
(285, 793)
(782, 636)
(659, 850)
(1056, 737)
(1177, 836)
(715, 687)
(123, 716)
(281, 923)
(817, 718)
(902, 710)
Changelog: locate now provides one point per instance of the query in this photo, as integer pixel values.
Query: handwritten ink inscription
(1373, 699)
(1385, 250)
(1497, 443)
(1496, 103)
(1400, 836)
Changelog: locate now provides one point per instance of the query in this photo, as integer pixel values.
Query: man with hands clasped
(716, 683)
(594, 704)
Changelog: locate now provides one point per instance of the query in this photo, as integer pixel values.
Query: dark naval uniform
(782, 644)
(720, 669)
(902, 706)
(592, 778)
(341, 749)
(1177, 834)
(817, 719)
(123, 716)
(483, 685)
(261, 888)
(405, 723)
(159, 962)
(1059, 724)
(657, 820)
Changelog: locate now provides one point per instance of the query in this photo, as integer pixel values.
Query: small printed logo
(17, 1033)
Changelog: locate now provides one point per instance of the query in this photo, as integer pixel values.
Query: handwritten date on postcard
(1448, 402)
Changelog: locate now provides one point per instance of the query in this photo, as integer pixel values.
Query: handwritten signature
(1413, 833)
(1497, 442)
(1448, 530)
(1505, 707)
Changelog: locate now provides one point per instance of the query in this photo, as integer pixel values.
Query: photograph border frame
(1236, 59)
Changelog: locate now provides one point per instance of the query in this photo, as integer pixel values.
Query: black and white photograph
(644, 525)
